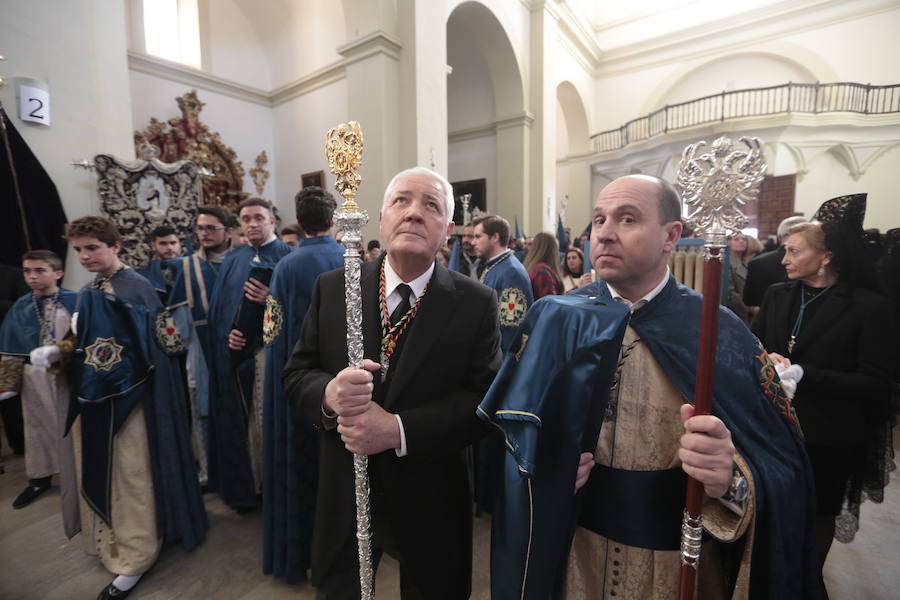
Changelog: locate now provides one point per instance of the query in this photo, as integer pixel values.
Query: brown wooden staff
(715, 185)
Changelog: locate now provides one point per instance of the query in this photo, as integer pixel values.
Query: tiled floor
(37, 562)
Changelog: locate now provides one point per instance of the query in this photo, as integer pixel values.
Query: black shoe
(111, 592)
(29, 495)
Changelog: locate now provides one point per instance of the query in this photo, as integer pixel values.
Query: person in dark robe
(31, 215)
(236, 363)
(596, 396)
(127, 417)
(290, 445)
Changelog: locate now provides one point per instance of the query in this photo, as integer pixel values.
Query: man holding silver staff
(620, 535)
(431, 348)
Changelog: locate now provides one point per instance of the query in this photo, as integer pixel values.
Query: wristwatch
(739, 489)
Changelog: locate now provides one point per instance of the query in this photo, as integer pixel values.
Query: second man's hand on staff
(364, 426)
(705, 450)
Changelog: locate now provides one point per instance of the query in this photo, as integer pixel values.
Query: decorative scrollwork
(716, 184)
(343, 149)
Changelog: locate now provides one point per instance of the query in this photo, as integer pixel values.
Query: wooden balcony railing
(810, 98)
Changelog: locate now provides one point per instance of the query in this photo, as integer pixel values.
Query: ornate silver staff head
(717, 183)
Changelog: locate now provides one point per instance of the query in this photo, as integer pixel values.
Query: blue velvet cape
(230, 471)
(290, 444)
(747, 397)
(21, 330)
(155, 382)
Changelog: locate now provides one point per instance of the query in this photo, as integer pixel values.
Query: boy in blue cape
(40, 319)
(608, 412)
(128, 416)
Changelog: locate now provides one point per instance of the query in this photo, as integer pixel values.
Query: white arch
(575, 116)
(490, 36)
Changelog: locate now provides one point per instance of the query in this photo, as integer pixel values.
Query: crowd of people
(492, 379)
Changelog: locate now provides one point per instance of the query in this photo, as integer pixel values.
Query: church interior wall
(824, 52)
(234, 49)
(299, 138)
(819, 50)
(79, 49)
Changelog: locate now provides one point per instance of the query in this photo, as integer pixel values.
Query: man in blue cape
(607, 412)
(290, 444)
(128, 416)
(502, 271)
(236, 361)
(189, 304)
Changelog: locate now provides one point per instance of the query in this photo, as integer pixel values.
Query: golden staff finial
(343, 149)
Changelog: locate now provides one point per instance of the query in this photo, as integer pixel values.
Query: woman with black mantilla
(831, 321)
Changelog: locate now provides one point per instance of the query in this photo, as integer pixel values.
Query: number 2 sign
(34, 101)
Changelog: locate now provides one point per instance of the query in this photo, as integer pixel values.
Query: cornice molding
(319, 78)
(575, 35)
(736, 31)
(524, 119)
(377, 42)
(171, 71)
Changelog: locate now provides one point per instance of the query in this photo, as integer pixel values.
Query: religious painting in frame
(316, 178)
(140, 195)
(478, 189)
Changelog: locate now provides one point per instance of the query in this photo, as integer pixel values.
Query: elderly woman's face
(801, 260)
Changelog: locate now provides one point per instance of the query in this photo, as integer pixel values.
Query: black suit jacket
(847, 354)
(449, 359)
(763, 271)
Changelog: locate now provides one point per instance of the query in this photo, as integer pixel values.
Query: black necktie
(404, 305)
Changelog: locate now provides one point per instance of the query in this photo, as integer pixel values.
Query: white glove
(5, 395)
(790, 377)
(43, 356)
(75, 323)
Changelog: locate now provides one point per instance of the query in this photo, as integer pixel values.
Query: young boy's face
(40, 276)
(96, 256)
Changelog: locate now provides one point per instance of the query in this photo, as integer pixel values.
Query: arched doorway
(487, 123)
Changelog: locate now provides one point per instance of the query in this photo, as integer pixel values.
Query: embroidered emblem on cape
(521, 346)
(103, 354)
(167, 335)
(512, 307)
(771, 387)
(273, 321)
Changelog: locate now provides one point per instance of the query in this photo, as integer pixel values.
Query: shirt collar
(633, 306)
(392, 280)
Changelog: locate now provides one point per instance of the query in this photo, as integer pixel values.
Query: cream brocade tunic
(131, 544)
(643, 434)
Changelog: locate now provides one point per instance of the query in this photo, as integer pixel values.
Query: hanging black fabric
(31, 214)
